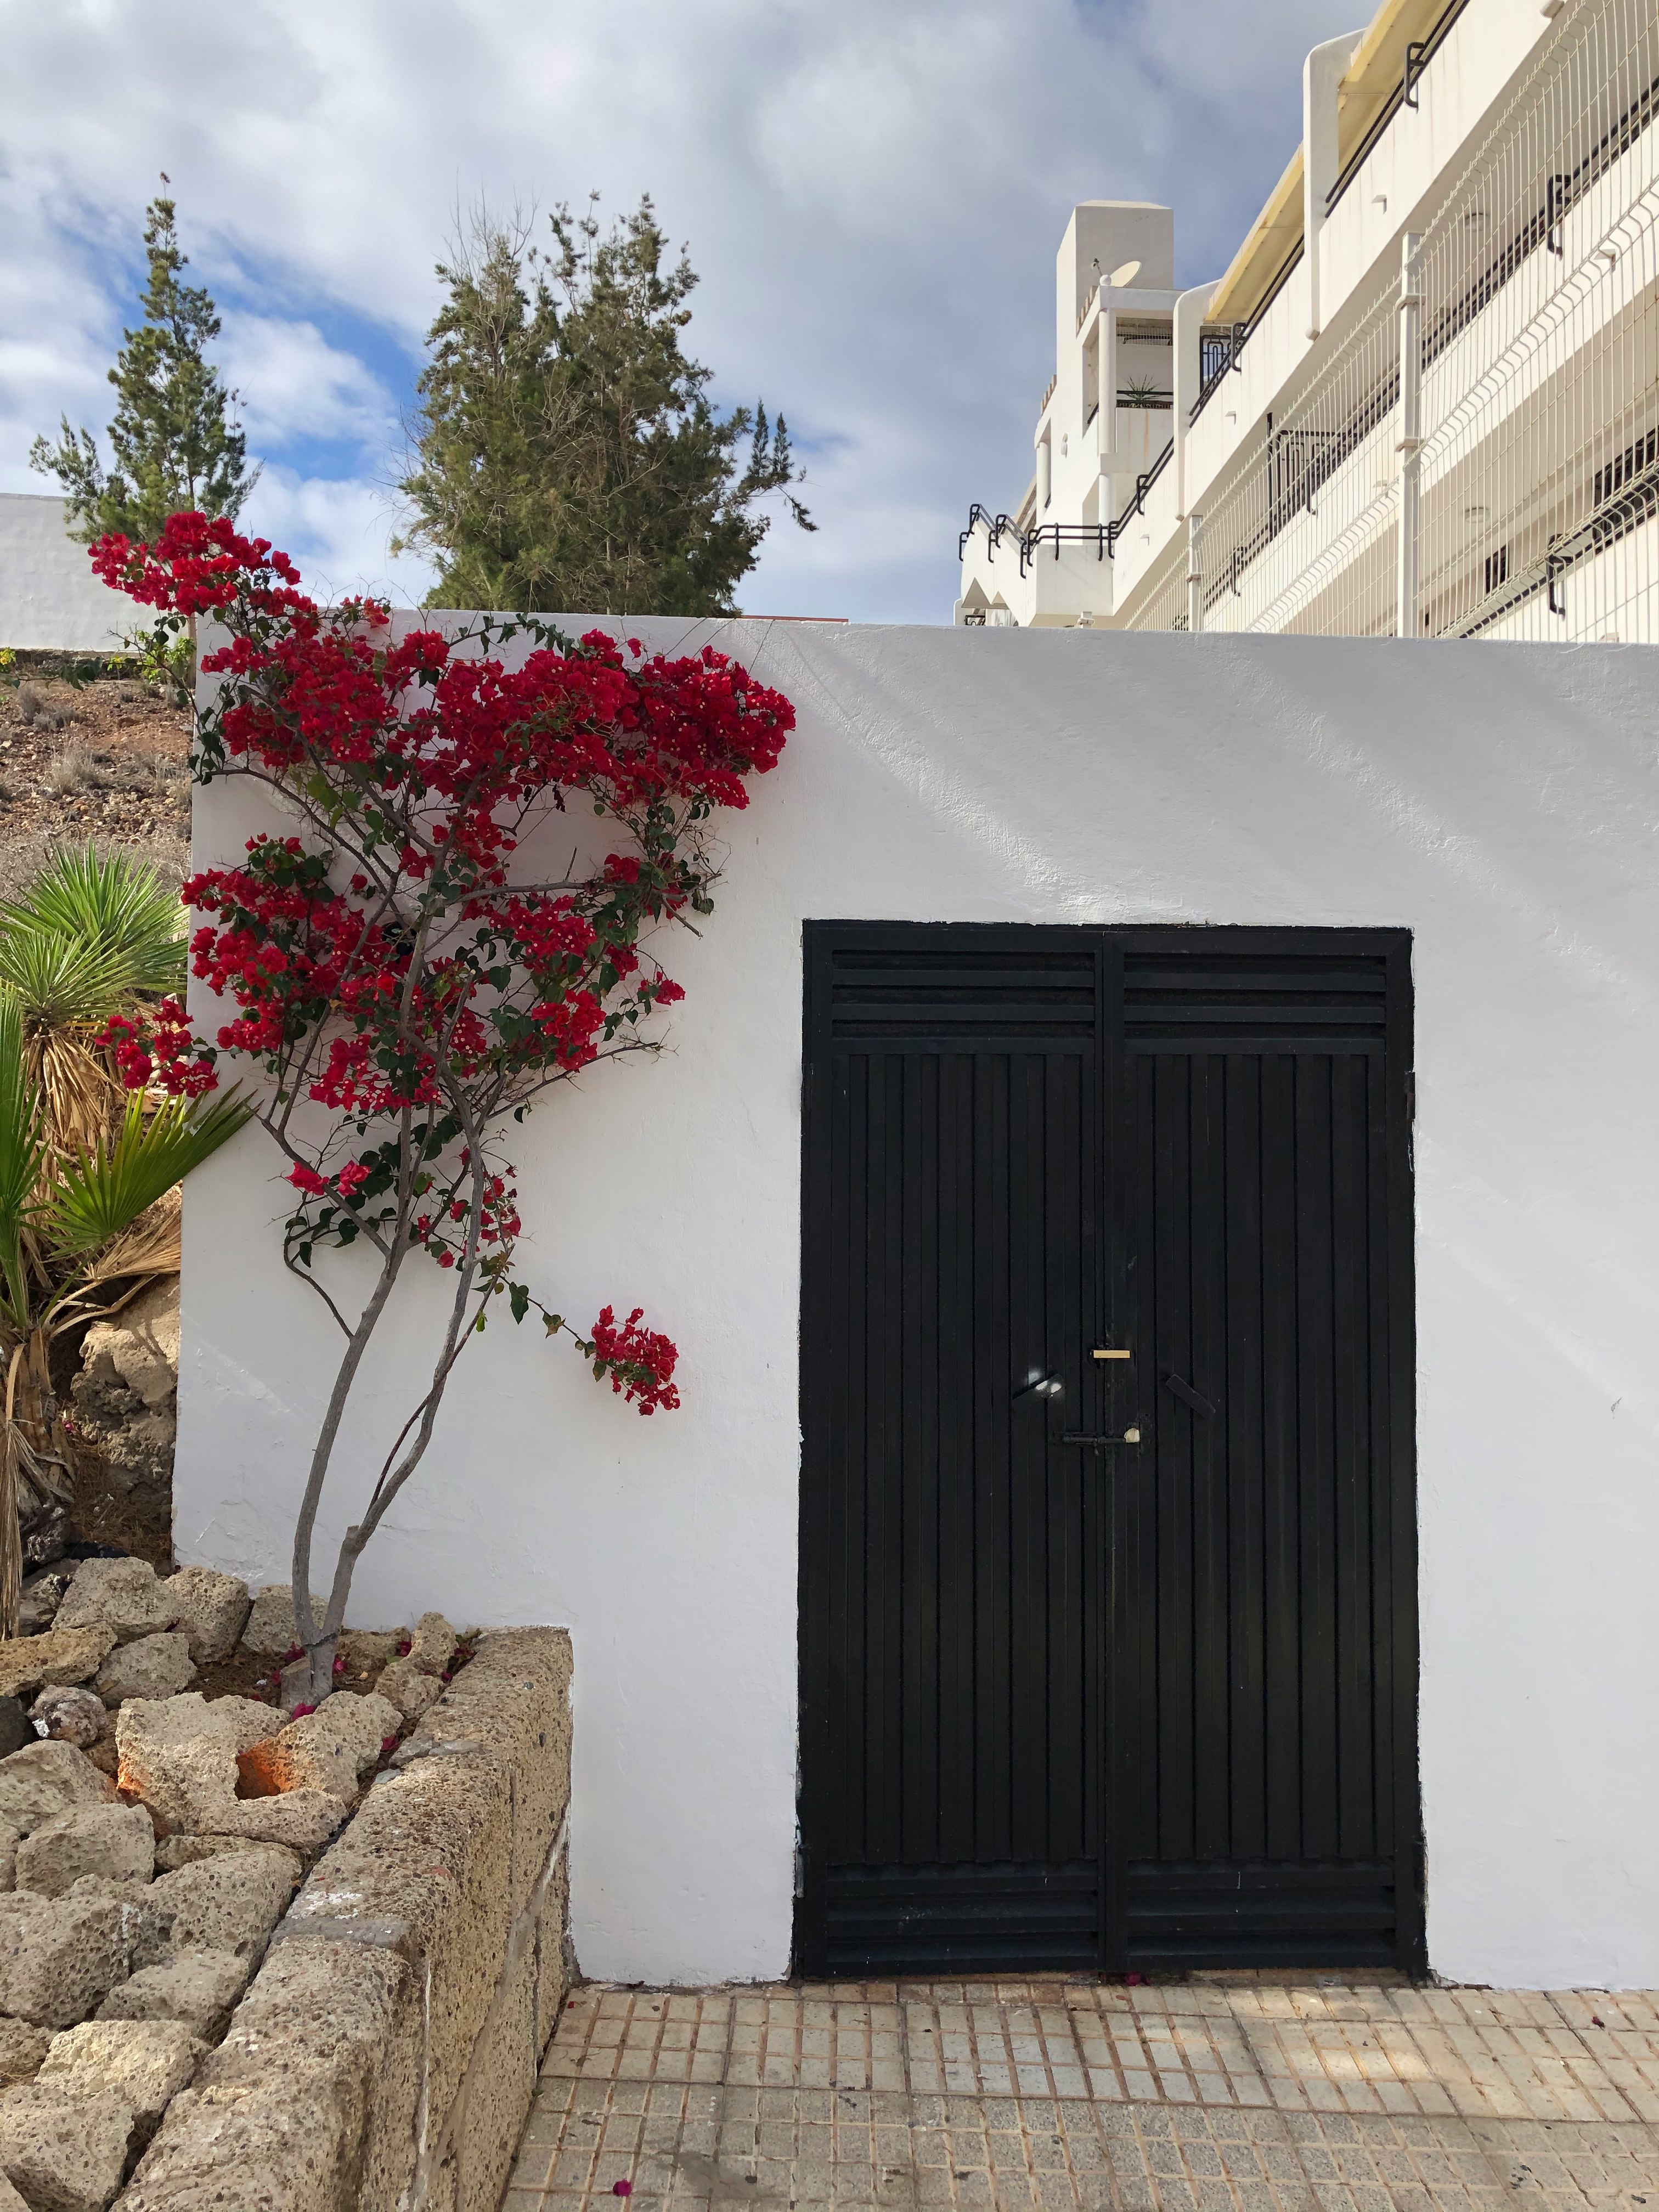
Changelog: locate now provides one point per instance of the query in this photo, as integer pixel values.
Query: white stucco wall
(1500, 804)
(48, 594)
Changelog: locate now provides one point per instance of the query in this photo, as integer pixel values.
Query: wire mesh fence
(1537, 506)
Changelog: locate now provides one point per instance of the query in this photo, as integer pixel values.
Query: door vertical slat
(957, 1218)
(1316, 1493)
(1211, 1473)
(1174, 1428)
(1242, 1413)
(1355, 1824)
(1282, 1530)
(917, 1550)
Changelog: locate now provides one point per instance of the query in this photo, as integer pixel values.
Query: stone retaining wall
(384, 2057)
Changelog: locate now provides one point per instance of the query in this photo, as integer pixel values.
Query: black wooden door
(1107, 1549)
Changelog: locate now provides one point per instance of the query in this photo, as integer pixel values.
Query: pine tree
(174, 443)
(567, 455)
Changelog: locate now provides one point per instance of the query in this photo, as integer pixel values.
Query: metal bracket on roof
(1416, 49)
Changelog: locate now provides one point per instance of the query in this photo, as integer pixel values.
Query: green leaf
(23, 1147)
(105, 1191)
(120, 914)
(519, 1299)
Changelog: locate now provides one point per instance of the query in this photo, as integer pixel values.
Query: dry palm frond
(81, 1099)
(152, 1246)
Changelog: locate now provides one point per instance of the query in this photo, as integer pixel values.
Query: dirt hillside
(102, 756)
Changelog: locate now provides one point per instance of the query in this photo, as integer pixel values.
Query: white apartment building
(1423, 400)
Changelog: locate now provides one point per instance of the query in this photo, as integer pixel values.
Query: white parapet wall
(1500, 806)
(49, 597)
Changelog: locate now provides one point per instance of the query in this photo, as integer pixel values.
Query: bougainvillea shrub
(397, 981)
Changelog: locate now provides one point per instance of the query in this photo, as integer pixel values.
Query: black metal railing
(1240, 334)
(1418, 54)
(1294, 477)
(1143, 484)
(1615, 517)
(1217, 352)
(1030, 543)
(997, 528)
(1561, 195)
(1058, 534)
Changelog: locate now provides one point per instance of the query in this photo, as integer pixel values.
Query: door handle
(1187, 1395)
(1094, 1443)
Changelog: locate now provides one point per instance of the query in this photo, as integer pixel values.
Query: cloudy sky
(872, 192)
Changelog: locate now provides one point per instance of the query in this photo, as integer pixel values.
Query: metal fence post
(1409, 445)
(1194, 573)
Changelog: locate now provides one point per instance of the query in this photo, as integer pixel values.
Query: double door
(1107, 1602)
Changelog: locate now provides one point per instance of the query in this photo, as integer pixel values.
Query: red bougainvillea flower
(638, 1361)
(420, 949)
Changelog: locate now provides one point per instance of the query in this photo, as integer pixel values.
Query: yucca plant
(70, 1231)
(94, 935)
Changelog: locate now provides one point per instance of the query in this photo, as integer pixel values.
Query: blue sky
(873, 195)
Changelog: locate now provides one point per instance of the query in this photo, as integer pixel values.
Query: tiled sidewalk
(1205, 2096)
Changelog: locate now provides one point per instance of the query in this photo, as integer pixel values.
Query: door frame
(1393, 946)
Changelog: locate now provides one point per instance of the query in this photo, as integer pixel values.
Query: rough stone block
(124, 1595)
(117, 1842)
(71, 1715)
(281, 2110)
(428, 1854)
(271, 1627)
(125, 1395)
(143, 2063)
(366, 1650)
(63, 2153)
(10, 1840)
(433, 1645)
(196, 1987)
(9, 2200)
(179, 1753)
(330, 1749)
(175, 1851)
(552, 1966)
(28, 1663)
(409, 1688)
(59, 1957)
(304, 1819)
(513, 1700)
(149, 1667)
(47, 1778)
(212, 1610)
(22, 2047)
(500, 2084)
(230, 1903)
(142, 1928)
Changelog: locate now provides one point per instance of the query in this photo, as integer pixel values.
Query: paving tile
(1225, 2094)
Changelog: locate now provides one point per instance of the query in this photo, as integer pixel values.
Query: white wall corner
(1187, 324)
(1322, 75)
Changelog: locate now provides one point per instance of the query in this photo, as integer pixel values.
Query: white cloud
(291, 384)
(874, 193)
(335, 529)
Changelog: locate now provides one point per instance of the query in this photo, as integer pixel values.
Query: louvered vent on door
(1243, 1003)
(959, 1000)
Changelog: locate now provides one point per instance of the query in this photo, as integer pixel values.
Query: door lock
(1095, 1443)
